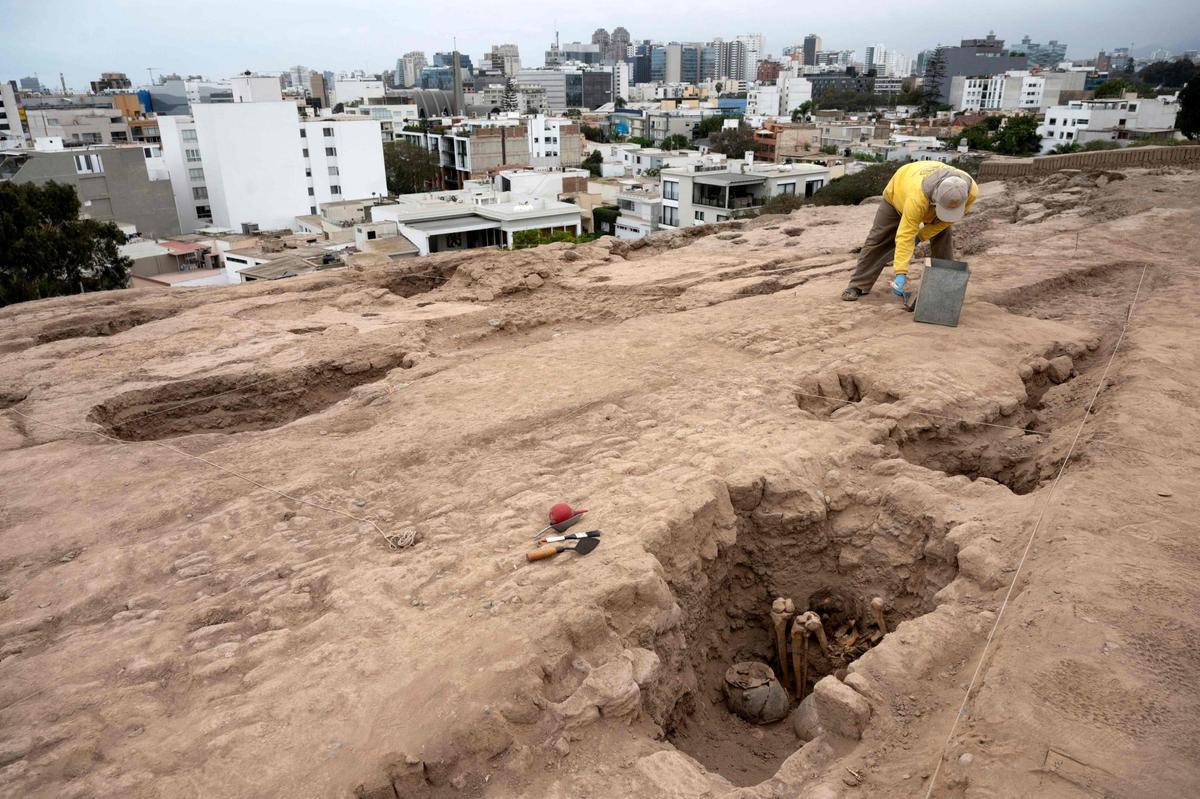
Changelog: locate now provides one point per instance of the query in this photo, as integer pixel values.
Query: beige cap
(950, 199)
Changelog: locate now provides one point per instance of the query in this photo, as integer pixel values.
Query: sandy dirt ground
(269, 540)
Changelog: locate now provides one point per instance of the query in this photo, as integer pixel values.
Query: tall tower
(812, 43)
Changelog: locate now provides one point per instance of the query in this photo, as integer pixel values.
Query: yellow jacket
(918, 218)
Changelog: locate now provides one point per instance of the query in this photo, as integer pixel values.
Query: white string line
(398, 543)
(1029, 544)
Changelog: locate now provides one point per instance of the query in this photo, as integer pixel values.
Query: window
(1051, 120)
(204, 212)
(196, 173)
(333, 171)
(187, 134)
(1133, 106)
(310, 191)
(120, 135)
(670, 190)
(1070, 135)
(308, 173)
(303, 133)
(199, 193)
(330, 151)
(192, 155)
(88, 164)
(327, 131)
(670, 215)
(699, 216)
(787, 188)
(335, 189)
(312, 209)
(51, 120)
(305, 152)
(371, 234)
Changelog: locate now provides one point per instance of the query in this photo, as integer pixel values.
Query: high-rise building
(110, 82)
(601, 39)
(502, 58)
(812, 44)
(299, 78)
(738, 58)
(31, 85)
(974, 58)
(408, 68)
(618, 45)
(1043, 55)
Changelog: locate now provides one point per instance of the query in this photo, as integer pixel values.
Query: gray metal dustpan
(941, 293)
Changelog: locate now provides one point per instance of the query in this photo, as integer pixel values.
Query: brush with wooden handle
(582, 548)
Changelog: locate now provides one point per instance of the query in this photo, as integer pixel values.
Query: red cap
(561, 511)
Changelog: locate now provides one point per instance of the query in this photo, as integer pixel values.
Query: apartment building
(466, 152)
(1015, 90)
(640, 206)
(554, 141)
(1121, 121)
(114, 183)
(571, 86)
(700, 194)
(436, 225)
(258, 163)
(78, 127)
(12, 132)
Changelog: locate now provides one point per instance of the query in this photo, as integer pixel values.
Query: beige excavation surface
(170, 626)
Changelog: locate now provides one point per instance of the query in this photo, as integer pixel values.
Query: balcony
(729, 191)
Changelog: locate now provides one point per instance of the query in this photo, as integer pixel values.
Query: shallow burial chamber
(235, 403)
(832, 565)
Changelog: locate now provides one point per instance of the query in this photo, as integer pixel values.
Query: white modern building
(1121, 121)
(1015, 90)
(11, 132)
(356, 89)
(258, 163)
(763, 100)
(436, 225)
(698, 194)
(641, 207)
(391, 118)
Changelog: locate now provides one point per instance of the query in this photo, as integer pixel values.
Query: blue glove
(898, 285)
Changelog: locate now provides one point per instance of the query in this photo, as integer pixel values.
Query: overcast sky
(218, 38)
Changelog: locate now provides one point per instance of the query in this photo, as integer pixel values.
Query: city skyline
(305, 33)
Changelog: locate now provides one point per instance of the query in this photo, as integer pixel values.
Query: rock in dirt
(840, 709)
(1060, 368)
(805, 721)
(609, 691)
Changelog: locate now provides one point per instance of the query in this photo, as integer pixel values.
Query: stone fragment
(1059, 369)
(840, 709)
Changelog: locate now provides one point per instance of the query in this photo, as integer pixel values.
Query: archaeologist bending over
(921, 201)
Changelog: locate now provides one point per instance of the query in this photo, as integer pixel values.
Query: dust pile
(196, 601)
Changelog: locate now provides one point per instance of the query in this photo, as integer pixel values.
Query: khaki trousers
(880, 247)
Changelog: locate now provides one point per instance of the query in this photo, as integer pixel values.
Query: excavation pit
(834, 568)
(234, 403)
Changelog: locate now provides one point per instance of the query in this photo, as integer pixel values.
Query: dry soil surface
(269, 540)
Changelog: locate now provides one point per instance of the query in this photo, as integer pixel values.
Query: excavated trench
(102, 324)
(234, 403)
(833, 567)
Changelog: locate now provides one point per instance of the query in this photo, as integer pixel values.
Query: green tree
(978, 137)
(853, 189)
(829, 149)
(1188, 118)
(409, 167)
(718, 86)
(593, 133)
(709, 126)
(592, 163)
(641, 141)
(1168, 74)
(733, 142)
(619, 102)
(801, 112)
(931, 84)
(46, 250)
(1066, 148)
(675, 141)
(573, 113)
(1019, 136)
(1117, 87)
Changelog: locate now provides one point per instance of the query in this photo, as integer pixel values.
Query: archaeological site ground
(269, 540)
